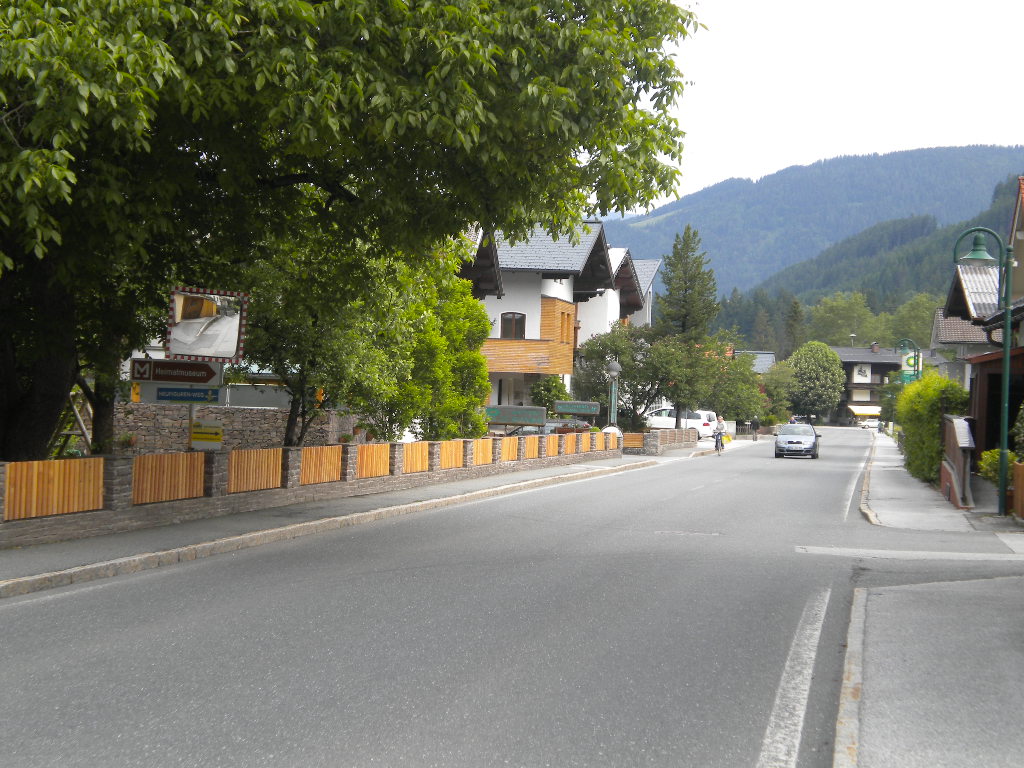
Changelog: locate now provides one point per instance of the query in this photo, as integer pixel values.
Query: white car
(665, 418)
(869, 424)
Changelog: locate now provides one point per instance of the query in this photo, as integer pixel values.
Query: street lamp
(903, 344)
(1005, 263)
(613, 369)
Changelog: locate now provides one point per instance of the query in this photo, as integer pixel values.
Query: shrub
(988, 465)
(919, 410)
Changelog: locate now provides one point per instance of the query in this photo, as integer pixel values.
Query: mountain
(751, 230)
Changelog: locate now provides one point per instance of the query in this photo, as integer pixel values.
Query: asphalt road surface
(659, 617)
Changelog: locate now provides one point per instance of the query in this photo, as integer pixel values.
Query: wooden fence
(482, 451)
(584, 438)
(320, 464)
(509, 448)
(632, 440)
(452, 452)
(552, 446)
(254, 470)
(167, 477)
(532, 446)
(374, 460)
(42, 488)
(415, 457)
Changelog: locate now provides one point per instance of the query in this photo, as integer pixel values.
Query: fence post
(495, 450)
(521, 449)
(467, 453)
(433, 456)
(117, 482)
(3, 490)
(349, 461)
(542, 446)
(291, 466)
(215, 473)
(396, 457)
(561, 445)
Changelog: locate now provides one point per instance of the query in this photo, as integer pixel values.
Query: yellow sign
(207, 435)
(136, 392)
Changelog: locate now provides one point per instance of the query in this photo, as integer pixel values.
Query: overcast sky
(777, 83)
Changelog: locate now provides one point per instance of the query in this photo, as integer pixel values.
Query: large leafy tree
(687, 371)
(689, 304)
(835, 317)
(736, 391)
(818, 379)
(147, 142)
(640, 380)
(913, 319)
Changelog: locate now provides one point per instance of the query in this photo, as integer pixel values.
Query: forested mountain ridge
(751, 230)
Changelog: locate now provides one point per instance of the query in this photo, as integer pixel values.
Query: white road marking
(853, 483)
(909, 554)
(1015, 541)
(781, 745)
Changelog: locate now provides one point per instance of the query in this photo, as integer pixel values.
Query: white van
(665, 418)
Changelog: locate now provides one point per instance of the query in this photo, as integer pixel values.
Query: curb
(24, 585)
(865, 508)
(847, 740)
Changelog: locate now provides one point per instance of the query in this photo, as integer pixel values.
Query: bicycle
(719, 443)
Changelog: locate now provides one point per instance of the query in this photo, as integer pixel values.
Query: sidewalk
(934, 674)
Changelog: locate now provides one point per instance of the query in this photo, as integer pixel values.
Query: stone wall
(151, 428)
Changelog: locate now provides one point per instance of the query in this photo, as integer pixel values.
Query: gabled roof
(646, 271)
(883, 356)
(956, 330)
(626, 282)
(763, 360)
(484, 271)
(586, 260)
(974, 293)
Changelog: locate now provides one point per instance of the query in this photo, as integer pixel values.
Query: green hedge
(919, 410)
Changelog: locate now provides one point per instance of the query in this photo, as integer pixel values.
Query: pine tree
(689, 304)
(795, 331)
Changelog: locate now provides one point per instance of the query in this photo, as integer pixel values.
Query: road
(681, 615)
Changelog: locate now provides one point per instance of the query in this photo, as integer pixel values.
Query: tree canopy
(818, 379)
(149, 143)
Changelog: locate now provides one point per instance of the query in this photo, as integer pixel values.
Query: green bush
(988, 465)
(919, 410)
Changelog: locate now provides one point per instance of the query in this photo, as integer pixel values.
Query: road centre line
(909, 554)
(781, 745)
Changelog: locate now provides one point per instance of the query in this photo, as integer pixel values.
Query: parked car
(551, 427)
(796, 440)
(665, 418)
(869, 424)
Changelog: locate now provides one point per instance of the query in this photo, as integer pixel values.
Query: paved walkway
(934, 672)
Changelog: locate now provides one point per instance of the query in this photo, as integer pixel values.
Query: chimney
(874, 347)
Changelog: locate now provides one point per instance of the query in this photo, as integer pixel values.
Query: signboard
(577, 407)
(204, 324)
(206, 395)
(177, 371)
(206, 435)
(525, 415)
(861, 374)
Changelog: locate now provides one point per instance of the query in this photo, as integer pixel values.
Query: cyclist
(719, 432)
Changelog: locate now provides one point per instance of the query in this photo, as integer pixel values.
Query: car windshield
(796, 429)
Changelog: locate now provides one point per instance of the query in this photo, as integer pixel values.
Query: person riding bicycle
(719, 432)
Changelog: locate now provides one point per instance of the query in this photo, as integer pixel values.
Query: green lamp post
(1005, 263)
(613, 370)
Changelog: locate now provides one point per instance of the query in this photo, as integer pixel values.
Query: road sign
(533, 415)
(577, 407)
(207, 435)
(177, 371)
(188, 394)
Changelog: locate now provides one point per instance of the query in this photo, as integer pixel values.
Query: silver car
(796, 440)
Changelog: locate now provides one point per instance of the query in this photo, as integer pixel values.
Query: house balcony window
(513, 325)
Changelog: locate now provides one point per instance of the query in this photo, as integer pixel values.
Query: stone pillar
(117, 481)
(3, 489)
(467, 453)
(521, 449)
(542, 446)
(652, 444)
(495, 450)
(433, 456)
(561, 445)
(215, 473)
(349, 462)
(291, 466)
(396, 457)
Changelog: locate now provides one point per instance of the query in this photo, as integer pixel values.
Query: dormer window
(513, 325)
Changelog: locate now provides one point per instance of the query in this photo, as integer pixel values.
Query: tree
(736, 390)
(778, 382)
(158, 142)
(817, 379)
(686, 371)
(763, 335)
(913, 319)
(639, 381)
(688, 306)
(835, 317)
(547, 390)
(795, 330)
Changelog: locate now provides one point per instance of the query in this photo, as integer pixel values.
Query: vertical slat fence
(482, 451)
(373, 460)
(532, 446)
(509, 448)
(584, 438)
(451, 454)
(52, 487)
(320, 464)
(254, 469)
(599, 441)
(611, 441)
(570, 442)
(552, 447)
(167, 477)
(416, 457)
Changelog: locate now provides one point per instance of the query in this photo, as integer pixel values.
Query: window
(513, 325)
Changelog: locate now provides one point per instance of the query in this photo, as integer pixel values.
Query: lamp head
(978, 254)
(614, 369)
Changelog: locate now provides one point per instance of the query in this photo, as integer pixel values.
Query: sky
(776, 83)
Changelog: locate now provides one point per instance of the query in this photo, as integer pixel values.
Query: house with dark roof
(646, 272)
(958, 340)
(621, 303)
(535, 322)
(867, 370)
